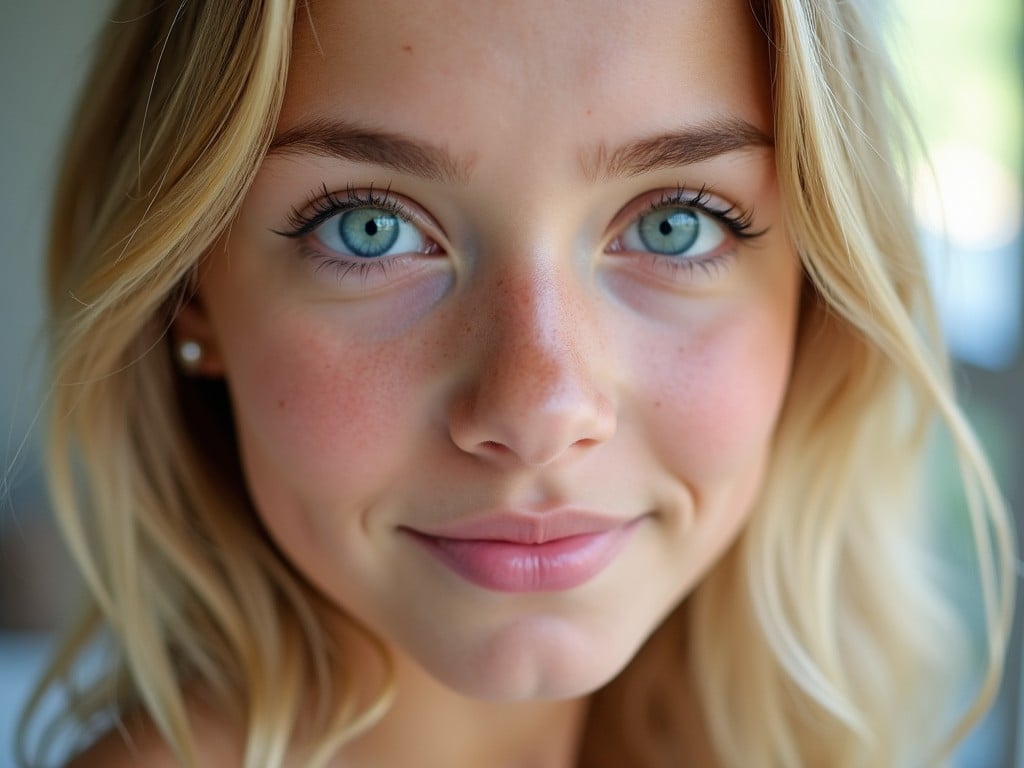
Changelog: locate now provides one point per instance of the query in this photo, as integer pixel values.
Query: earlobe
(194, 343)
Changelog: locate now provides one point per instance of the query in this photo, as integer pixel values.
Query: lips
(526, 552)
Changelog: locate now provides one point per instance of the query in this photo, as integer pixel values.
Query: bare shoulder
(138, 742)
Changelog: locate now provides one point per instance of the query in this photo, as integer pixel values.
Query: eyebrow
(674, 149)
(347, 141)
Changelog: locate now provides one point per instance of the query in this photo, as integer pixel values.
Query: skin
(528, 359)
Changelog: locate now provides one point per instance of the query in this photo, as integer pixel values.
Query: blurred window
(962, 67)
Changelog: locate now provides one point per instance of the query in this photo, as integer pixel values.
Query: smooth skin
(527, 351)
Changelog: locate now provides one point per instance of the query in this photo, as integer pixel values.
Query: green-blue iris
(669, 231)
(368, 232)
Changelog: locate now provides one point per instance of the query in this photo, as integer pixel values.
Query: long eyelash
(342, 269)
(325, 204)
(736, 220)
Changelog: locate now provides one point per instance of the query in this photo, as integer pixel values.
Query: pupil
(665, 227)
(371, 227)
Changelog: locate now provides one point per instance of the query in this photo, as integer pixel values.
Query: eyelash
(740, 223)
(325, 204)
(737, 222)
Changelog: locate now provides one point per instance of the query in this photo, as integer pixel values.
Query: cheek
(716, 394)
(316, 413)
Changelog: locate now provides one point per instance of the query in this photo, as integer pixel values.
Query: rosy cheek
(716, 395)
(314, 410)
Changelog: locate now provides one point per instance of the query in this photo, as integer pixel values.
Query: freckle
(407, 48)
(280, 404)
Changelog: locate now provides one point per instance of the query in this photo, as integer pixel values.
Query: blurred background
(964, 67)
(45, 48)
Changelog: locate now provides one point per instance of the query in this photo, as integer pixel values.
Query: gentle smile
(528, 553)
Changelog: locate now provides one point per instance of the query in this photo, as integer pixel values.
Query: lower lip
(505, 566)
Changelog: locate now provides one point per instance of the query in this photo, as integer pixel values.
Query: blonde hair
(812, 642)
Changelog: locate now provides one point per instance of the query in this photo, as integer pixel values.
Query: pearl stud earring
(190, 354)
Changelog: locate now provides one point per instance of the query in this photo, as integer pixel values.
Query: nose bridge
(537, 346)
(537, 391)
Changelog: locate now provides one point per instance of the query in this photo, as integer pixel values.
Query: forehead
(492, 77)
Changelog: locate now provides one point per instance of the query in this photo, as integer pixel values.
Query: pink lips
(517, 552)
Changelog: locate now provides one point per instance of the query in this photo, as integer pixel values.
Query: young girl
(462, 383)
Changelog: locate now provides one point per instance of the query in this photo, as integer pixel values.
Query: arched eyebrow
(674, 149)
(359, 144)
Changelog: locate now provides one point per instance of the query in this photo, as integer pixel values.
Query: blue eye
(369, 233)
(674, 230)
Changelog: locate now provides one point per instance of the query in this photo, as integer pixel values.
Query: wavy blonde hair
(813, 642)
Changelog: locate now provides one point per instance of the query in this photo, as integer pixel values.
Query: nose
(539, 390)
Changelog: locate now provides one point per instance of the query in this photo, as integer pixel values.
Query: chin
(536, 659)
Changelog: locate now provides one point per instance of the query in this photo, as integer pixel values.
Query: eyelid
(324, 204)
(736, 220)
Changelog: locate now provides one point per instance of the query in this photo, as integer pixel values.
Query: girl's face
(507, 320)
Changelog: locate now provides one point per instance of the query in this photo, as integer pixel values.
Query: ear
(192, 327)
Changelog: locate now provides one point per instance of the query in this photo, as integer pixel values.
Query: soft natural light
(975, 199)
(970, 209)
(961, 63)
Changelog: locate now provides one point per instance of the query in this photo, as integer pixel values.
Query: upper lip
(523, 527)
